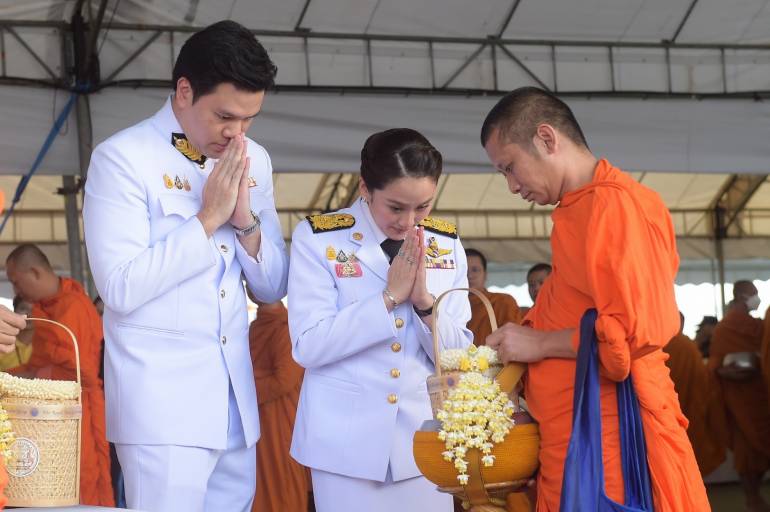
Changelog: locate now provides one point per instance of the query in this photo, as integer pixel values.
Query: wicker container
(45, 471)
(516, 457)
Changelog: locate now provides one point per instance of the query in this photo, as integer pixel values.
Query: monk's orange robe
(745, 402)
(765, 351)
(614, 249)
(282, 483)
(505, 308)
(53, 357)
(697, 399)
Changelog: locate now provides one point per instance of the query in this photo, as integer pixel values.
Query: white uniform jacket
(364, 392)
(175, 319)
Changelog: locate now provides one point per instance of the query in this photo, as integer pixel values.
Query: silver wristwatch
(251, 228)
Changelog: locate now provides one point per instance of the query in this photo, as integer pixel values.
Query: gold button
(395, 373)
(399, 323)
(223, 248)
(222, 293)
(392, 398)
(224, 340)
(358, 236)
(395, 346)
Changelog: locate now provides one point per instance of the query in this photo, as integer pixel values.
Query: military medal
(348, 269)
(187, 184)
(439, 263)
(252, 182)
(331, 254)
(178, 183)
(341, 257)
(167, 181)
(434, 251)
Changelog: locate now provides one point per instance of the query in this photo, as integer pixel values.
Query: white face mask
(753, 302)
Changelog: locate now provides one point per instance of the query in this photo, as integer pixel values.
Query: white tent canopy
(673, 91)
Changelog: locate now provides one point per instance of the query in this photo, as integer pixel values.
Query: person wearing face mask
(744, 394)
(177, 209)
(362, 284)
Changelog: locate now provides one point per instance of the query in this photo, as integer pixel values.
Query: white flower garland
(476, 414)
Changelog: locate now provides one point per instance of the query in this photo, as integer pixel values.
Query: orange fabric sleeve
(287, 374)
(637, 313)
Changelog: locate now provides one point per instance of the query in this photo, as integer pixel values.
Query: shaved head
(518, 114)
(28, 255)
(744, 289)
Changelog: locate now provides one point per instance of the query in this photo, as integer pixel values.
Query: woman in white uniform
(361, 326)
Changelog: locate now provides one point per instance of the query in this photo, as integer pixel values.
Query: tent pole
(719, 236)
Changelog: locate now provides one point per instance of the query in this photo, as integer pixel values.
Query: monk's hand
(516, 343)
(10, 325)
(403, 270)
(420, 297)
(220, 193)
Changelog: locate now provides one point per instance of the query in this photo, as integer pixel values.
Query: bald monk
(53, 356)
(698, 400)
(282, 483)
(613, 249)
(505, 307)
(536, 276)
(745, 396)
(704, 333)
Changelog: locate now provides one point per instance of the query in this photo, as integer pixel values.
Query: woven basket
(516, 457)
(45, 471)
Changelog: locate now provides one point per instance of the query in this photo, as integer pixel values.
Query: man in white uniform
(177, 208)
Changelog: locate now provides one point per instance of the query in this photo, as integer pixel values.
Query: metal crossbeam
(730, 204)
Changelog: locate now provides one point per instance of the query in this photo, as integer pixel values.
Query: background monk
(613, 249)
(282, 483)
(535, 278)
(505, 307)
(704, 333)
(53, 356)
(698, 400)
(745, 396)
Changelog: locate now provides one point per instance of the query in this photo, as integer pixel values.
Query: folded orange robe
(282, 483)
(745, 402)
(698, 399)
(505, 308)
(614, 249)
(53, 357)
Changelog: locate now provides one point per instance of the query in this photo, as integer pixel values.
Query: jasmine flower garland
(476, 414)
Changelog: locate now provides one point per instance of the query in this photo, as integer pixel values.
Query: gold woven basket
(516, 457)
(45, 471)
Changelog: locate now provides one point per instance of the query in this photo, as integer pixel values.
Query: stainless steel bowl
(742, 360)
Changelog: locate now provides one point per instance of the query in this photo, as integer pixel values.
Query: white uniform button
(392, 398)
(222, 293)
(224, 340)
(395, 373)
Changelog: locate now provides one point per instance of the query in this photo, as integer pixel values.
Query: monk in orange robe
(744, 393)
(282, 483)
(504, 306)
(53, 357)
(698, 400)
(613, 249)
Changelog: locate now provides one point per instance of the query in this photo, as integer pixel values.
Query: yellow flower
(483, 363)
(465, 364)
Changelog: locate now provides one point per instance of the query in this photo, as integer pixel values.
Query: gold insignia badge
(178, 183)
(358, 236)
(434, 251)
(442, 227)
(187, 186)
(440, 263)
(331, 254)
(341, 257)
(330, 222)
(167, 181)
(180, 142)
(252, 182)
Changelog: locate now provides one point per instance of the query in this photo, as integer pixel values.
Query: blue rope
(39, 159)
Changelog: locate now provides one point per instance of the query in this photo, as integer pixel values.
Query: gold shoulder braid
(442, 227)
(183, 145)
(330, 222)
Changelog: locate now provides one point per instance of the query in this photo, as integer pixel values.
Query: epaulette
(330, 222)
(442, 227)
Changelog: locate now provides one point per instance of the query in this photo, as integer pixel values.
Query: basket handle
(511, 373)
(74, 344)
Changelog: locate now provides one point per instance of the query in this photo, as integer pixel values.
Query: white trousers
(171, 478)
(338, 493)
